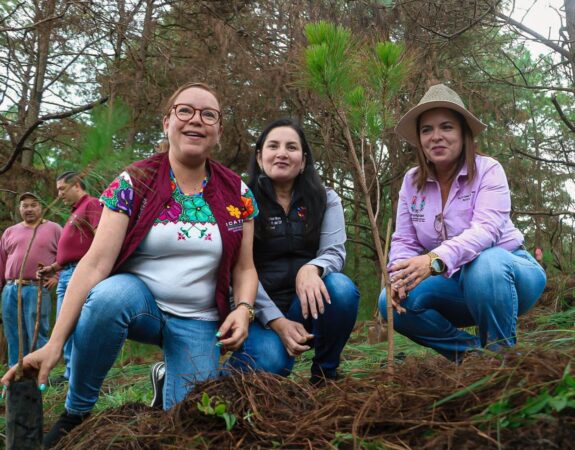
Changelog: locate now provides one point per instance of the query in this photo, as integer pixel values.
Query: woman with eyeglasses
(176, 229)
(456, 259)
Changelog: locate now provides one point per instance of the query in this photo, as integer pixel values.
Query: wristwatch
(250, 310)
(436, 264)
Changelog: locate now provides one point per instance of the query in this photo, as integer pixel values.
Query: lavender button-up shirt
(475, 217)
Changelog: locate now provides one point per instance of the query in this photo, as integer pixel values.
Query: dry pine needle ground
(427, 403)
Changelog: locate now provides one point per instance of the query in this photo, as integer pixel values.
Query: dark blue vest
(283, 250)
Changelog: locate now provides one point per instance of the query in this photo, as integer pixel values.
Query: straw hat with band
(438, 96)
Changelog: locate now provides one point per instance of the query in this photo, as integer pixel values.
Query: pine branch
(19, 147)
(564, 118)
(537, 158)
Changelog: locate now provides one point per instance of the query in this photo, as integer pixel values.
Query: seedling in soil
(215, 406)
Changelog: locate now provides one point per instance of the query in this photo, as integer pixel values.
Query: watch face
(436, 266)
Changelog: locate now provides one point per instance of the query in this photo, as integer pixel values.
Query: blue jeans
(123, 307)
(489, 292)
(10, 318)
(63, 280)
(263, 349)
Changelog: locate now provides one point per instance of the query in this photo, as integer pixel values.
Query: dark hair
(308, 184)
(71, 177)
(467, 155)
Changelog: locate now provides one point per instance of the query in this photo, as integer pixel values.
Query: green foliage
(466, 390)
(386, 3)
(107, 122)
(346, 440)
(99, 156)
(546, 403)
(564, 320)
(386, 69)
(360, 81)
(215, 406)
(328, 59)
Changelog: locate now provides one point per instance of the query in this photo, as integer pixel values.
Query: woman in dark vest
(303, 299)
(176, 227)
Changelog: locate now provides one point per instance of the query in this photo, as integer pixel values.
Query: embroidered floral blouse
(179, 258)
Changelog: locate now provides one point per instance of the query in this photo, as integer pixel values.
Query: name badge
(234, 226)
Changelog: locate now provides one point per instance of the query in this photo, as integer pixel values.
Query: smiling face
(281, 157)
(441, 138)
(191, 140)
(30, 210)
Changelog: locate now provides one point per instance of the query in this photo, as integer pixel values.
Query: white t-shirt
(180, 256)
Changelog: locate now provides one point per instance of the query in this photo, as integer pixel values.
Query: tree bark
(43, 50)
(570, 25)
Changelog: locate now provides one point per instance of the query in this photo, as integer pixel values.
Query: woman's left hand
(311, 291)
(237, 323)
(407, 274)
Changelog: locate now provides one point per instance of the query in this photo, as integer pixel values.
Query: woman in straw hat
(456, 259)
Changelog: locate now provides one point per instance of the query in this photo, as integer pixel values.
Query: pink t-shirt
(14, 243)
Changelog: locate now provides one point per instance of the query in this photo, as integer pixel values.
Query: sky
(541, 16)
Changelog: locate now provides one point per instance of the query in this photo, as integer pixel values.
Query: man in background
(74, 242)
(13, 246)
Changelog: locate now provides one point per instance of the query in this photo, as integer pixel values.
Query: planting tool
(24, 415)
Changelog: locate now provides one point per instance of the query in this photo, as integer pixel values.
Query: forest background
(82, 85)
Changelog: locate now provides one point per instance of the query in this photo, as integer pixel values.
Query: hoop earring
(218, 147)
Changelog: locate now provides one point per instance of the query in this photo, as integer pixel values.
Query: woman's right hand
(397, 294)
(37, 364)
(311, 291)
(294, 336)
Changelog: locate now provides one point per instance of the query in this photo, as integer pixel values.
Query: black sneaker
(319, 379)
(66, 423)
(157, 376)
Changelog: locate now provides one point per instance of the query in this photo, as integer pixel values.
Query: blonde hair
(164, 146)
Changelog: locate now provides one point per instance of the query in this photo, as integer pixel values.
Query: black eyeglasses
(208, 116)
(439, 226)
